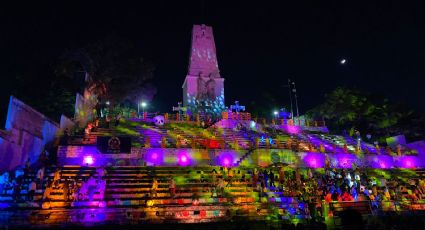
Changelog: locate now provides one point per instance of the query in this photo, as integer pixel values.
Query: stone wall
(28, 131)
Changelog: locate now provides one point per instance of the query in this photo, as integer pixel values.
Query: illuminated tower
(203, 87)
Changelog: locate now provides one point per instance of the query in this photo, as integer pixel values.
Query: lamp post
(143, 105)
(296, 98)
(290, 96)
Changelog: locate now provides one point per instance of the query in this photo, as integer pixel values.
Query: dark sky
(259, 44)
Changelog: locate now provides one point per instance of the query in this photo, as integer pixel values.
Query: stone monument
(203, 88)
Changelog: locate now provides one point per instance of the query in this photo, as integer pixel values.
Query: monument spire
(203, 84)
(203, 58)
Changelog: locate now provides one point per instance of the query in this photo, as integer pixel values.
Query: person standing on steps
(172, 187)
(220, 186)
(154, 188)
(117, 119)
(31, 190)
(271, 176)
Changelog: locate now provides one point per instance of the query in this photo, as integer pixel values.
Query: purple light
(292, 129)
(344, 160)
(381, 161)
(154, 157)
(225, 159)
(314, 160)
(408, 162)
(88, 160)
(183, 159)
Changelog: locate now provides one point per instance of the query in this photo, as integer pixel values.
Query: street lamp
(143, 105)
(276, 113)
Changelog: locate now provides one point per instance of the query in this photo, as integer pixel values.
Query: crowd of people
(73, 190)
(336, 185)
(312, 186)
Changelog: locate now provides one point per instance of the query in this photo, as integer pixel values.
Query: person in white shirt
(40, 175)
(31, 190)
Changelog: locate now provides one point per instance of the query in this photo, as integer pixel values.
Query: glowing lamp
(183, 159)
(154, 156)
(149, 203)
(226, 162)
(252, 124)
(408, 163)
(382, 164)
(88, 160)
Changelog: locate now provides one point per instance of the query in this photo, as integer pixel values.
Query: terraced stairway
(129, 189)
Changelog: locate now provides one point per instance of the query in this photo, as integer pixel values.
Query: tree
(349, 109)
(114, 70)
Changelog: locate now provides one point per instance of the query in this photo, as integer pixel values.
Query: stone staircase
(128, 187)
(155, 135)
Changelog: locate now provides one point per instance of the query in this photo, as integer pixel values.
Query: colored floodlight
(88, 160)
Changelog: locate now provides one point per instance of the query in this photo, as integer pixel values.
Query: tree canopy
(114, 69)
(350, 109)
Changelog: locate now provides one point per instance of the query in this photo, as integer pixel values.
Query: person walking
(117, 119)
(40, 176)
(265, 177)
(271, 176)
(16, 191)
(31, 190)
(154, 188)
(220, 186)
(172, 187)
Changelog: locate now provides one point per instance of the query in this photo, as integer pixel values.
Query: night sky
(259, 45)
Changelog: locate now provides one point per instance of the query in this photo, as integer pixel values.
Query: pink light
(154, 156)
(88, 160)
(183, 159)
(382, 164)
(313, 162)
(408, 163)
(293, 129)
(226, 161)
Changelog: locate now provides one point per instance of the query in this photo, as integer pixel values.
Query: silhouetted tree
(349, 109)
(113, 68)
